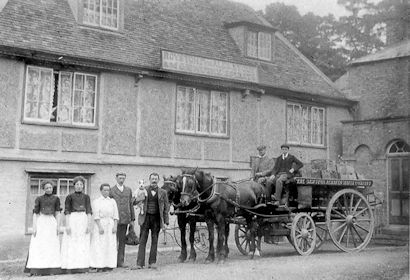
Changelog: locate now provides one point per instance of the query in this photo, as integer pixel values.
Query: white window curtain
(219, 113)
(305, 124)
(39, 94)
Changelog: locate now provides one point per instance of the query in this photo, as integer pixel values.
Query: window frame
(259, 53)
(195, 131)
(56, 93)
(311, 107)
(100, 17)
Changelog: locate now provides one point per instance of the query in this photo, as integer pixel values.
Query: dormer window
(103, 13)
(259, 45)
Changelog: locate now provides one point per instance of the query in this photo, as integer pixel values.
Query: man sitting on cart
(286, 166)
(262, 167)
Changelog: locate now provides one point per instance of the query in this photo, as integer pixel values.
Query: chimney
(398, 23)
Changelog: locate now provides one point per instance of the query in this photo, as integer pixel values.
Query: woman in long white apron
(104, 238)
(44, 252)
(75, 247)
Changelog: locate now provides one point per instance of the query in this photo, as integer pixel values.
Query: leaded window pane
(264, 45)
(202, 109)
(252, 45)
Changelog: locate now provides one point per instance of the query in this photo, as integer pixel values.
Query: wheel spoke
(354, 227)
(339, 227)
(347, 238)
(308, 224)
(304, 222)
(338, 213)
(363, 220)
(354, 241)
(343, 233)
(243, 242)
(357, 205)
(346, 208)
(351, 202)
(359, 226)
(360, 212)
(338, 220)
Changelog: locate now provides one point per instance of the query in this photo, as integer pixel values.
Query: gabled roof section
(192, 27)
(260, 27)
(398, 50)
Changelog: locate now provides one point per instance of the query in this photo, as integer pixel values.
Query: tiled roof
(195, 27)
(401, 49)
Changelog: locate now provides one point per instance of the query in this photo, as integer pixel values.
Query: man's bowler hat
(284, 146)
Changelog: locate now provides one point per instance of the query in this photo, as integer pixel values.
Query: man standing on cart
(286, 165)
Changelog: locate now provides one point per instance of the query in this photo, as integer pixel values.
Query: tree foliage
(332, 43)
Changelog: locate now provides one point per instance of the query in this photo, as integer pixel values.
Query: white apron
(44, 251)
(75, 248)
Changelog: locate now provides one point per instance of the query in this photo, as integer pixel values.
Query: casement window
(103, 13)
(305, 124)
(63, 186)
(259, 45)
(202, 112)
(60, 97)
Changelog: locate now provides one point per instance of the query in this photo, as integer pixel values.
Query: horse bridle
(195, 192)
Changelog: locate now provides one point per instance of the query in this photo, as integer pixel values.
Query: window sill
(307, 146)
(60, 125)
(202, 135)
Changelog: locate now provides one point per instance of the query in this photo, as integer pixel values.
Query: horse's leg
(211, 254)
(182, 220)
(258, 245)
(226, 239)
(251, 226)
(220, 248)
(192, 229)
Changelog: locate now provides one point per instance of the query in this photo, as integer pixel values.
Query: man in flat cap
(286, 165)
(262, 167)
(123, 197)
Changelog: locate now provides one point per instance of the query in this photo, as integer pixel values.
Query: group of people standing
(95, 233)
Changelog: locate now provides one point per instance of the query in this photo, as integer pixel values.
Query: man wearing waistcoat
(154, 218)
(123, 197)
(286, 165)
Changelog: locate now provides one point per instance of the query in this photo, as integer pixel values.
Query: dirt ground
(277, 262)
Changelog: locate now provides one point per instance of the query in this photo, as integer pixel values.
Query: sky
(318, 7)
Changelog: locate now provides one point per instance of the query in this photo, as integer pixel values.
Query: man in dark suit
(286, 165)
(123, 197)
(153, 218)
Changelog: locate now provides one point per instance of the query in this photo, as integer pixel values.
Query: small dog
(140, 195)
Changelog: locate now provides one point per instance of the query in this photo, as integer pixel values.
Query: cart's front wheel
(349, 220)
(303, 234)
(242, 239)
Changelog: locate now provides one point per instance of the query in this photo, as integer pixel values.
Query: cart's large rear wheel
(303, 234)
(242, 238)
(349, 220)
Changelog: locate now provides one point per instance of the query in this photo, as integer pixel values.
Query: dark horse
(190, 214)
(222, 201)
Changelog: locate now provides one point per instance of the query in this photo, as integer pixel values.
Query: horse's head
(190, 185)
(172, 188)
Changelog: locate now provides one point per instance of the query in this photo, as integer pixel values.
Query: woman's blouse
(46, 204)
(77, 202)
(105, 208)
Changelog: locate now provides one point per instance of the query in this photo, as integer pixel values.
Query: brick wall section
(381, 88)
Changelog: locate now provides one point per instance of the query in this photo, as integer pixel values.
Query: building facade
(95, 87)
(377, 141)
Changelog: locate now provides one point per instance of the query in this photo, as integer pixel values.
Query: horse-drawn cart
(317, 208)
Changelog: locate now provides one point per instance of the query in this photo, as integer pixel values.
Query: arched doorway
(398, 167)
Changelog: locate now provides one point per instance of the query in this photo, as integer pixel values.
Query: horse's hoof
(209, 261)
(221, 261)
(181, 260)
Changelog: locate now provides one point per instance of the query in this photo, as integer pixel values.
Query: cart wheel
(303, 234)
(321, 234)
(242, 238)
(349, 220)
(201, 238)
